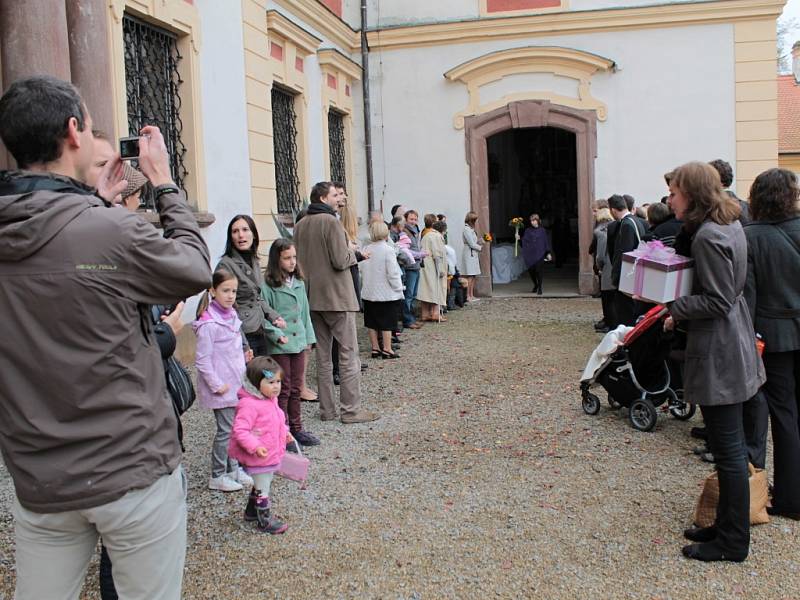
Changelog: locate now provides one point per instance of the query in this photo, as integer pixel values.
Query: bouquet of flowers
(517, 223)
(487, 237)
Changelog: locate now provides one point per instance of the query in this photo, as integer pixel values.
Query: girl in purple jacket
(260, 435)
(220, 362)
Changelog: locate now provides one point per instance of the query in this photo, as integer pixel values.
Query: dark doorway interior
(534, 170)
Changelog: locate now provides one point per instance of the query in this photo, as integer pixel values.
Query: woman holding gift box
(773, 296)
(719, 325)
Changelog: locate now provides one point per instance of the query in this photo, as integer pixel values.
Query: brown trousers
(341, 326)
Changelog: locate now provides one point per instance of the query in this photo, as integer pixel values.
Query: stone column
(90, 59)
(33, 41)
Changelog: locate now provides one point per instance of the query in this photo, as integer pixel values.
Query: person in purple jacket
(536, 249)
(220, 361)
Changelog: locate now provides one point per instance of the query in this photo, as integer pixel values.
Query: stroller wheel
(613, 403)
(643, 414)
(683, 411)
(590, 403)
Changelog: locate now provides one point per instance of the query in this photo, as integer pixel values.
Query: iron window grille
(284, 136)
(336, 146)
(152, 85)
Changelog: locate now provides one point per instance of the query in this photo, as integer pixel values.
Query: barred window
(336, 146)
(152, 86)
(284, 136)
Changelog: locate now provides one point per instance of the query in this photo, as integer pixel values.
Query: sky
(792, 10)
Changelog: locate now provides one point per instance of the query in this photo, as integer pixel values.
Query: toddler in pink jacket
(259, 438)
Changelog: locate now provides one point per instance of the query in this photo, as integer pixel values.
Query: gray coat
(250, 305)
(773, 283)
(601, 259)
(722, 366)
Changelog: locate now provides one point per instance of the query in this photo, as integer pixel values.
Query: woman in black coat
(721, 369)
(773, 296)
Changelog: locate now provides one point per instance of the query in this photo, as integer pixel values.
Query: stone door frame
(526, 114)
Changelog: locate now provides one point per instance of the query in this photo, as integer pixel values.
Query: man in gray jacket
(87, 429)
(325, 258)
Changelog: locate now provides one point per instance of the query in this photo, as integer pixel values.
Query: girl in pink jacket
(220, 362)
(259, 438)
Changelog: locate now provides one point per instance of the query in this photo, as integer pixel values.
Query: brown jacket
(84, 411)
(325, 259)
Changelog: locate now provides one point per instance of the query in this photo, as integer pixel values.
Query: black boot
(250, 509)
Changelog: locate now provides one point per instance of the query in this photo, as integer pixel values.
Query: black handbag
(179, 385)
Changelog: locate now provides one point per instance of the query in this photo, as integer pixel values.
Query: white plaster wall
(671, 101)
(227, 166)
(385, 13)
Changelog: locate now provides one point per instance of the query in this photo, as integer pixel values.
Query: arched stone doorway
(528, 114)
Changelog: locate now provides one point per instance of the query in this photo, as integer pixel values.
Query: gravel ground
(483, 479)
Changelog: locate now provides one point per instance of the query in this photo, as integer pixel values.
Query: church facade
(504, 107)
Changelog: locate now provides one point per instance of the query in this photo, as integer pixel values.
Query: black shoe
(710, 552)
(396, 340)
(364, 366)
(290, 447)
(700, 450)
(700, 534)
(602, 330)
(539, 292)
(305, 438)
(779, 512)
(376, 353)
(336, 380)
(700, 433)
(600, 324)
(386, 355)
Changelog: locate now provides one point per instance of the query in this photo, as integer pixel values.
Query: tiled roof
(788, 114)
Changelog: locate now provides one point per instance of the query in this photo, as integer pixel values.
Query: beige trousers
(342, 326)
(144, 532)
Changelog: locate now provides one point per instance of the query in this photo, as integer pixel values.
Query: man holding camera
(87, 430)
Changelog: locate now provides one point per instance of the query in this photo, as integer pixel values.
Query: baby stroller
(636, 374)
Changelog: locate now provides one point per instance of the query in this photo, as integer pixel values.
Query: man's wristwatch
(167, 188)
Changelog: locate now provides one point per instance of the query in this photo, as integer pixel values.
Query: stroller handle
(650, 318)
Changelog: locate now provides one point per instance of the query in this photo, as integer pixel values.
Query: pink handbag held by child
(294, 466)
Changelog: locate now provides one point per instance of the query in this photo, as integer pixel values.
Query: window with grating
(152, 86)
(284, 139)
(336, 146)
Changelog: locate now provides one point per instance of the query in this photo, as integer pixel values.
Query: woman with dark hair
(719, 325)
(773, 296)
(535, 250)
(663, 224)
(241, 259)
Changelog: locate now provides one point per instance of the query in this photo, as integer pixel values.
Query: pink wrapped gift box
(655, 273)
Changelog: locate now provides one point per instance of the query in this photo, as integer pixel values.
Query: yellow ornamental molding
(562, 62)
(313, 13)
(305, 41)
(673, 14)
(338, 61)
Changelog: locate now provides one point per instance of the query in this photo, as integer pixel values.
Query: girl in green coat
(285, 292)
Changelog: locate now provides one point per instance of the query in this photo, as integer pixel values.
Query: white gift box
(659, 279)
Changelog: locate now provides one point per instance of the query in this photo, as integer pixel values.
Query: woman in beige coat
(432, 292)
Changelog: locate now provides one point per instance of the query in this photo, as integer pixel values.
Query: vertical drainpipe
(367, 109)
